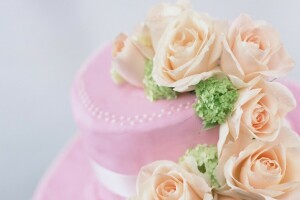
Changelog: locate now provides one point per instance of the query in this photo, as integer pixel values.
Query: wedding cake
(184, 107)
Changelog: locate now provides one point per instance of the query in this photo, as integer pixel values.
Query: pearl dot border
(122, 120)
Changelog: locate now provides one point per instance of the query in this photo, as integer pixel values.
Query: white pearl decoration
(126, 120)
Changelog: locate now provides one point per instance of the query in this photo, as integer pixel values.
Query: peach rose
(259, 111)
(224, 197)
(162, 180)
(254, 48)
(188, 51)
(130, 55)
(253, 169)
(159, 16)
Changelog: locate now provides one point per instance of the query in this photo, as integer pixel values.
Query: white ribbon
(120, 184)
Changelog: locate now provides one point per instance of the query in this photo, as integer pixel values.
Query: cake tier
(122, 129)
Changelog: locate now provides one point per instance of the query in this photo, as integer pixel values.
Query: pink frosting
(71, 177)
(293, 117)
(122, 130)
(123, 148)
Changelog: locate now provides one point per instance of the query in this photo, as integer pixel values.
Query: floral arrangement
(231, 68)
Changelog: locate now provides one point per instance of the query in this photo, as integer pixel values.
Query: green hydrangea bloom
(216, 99)
(207, 161)
(153, 91)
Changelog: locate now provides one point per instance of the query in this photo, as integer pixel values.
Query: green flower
(153, 91)
(207, 161)
(216, 99)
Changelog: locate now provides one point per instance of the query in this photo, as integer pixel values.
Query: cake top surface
(103, 101)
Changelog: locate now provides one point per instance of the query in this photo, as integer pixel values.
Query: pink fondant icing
(72, 178)
(108, 137)
(123, 130)
(294, 116)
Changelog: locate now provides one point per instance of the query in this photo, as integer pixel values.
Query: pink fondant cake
(186, 107)
(73, 177)
(122, 130)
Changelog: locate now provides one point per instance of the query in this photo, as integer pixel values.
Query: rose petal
(130, 63)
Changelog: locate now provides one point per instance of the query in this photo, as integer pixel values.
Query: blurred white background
(42, 45)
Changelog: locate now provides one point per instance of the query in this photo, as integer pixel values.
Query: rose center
(265, 171)
(185, 38)
(260, 117)
(255, 40)
(119, 44)
(185, 45)
(170, 187)
(271, 166)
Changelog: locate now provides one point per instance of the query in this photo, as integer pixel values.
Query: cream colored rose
(224, 197)
(130, 55)
(254, 48)
(187, 52)
(253, 169)
(166, 180)
(259, 111)
(159, 16)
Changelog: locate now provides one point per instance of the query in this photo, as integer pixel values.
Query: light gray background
(43, 43)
